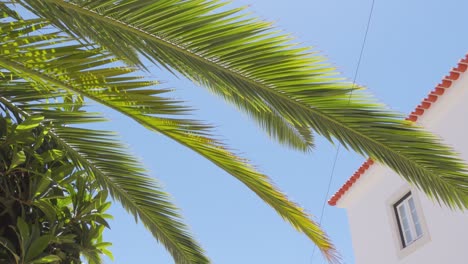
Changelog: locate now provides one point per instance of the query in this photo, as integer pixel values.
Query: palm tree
(67, 52)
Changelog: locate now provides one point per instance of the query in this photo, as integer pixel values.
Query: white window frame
(408, 220)
(396, 196)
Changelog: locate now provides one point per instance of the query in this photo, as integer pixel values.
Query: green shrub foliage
(50, 211)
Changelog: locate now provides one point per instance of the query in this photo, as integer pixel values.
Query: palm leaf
(83, 70)
(106, 160)
(251, 64)
(96, 151)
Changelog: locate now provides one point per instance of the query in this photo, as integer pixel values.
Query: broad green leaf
(47, 259)
(37, 247)
(108, 253)
(23, 229)
(8, 245)
(51, 155)
(30, 123)
(47, 208)
(42, 183)
(64, 202)
(64, 239)
(96, 218)
(62, 171)
(18, 159)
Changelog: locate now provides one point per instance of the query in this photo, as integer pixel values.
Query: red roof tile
(419, 111)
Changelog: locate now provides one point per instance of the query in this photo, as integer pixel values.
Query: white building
(393, 223)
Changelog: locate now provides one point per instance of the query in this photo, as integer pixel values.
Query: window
(408, 220)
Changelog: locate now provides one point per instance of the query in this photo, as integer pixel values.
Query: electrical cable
(349, 99)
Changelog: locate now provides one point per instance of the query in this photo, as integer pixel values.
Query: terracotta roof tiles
(427, 102)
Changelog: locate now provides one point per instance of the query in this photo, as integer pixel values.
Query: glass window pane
(414, 216)
(405, 224)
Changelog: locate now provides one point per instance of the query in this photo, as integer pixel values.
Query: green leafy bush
(50, 211)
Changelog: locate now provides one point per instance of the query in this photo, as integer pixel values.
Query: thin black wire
(349, 100)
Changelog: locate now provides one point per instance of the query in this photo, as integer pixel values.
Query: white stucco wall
(369, 202)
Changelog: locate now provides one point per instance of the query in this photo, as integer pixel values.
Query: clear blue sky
(411, 45)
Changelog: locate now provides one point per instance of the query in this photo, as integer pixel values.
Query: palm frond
(100, 154)
(280, 128)
(8, 12)
(82, 70)
(249, 63)
(94, 150)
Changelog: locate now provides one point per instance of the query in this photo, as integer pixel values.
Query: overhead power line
(332, 171)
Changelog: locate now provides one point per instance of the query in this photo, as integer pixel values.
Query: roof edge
(426, 103)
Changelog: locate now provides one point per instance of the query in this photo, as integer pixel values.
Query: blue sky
(410, 46)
